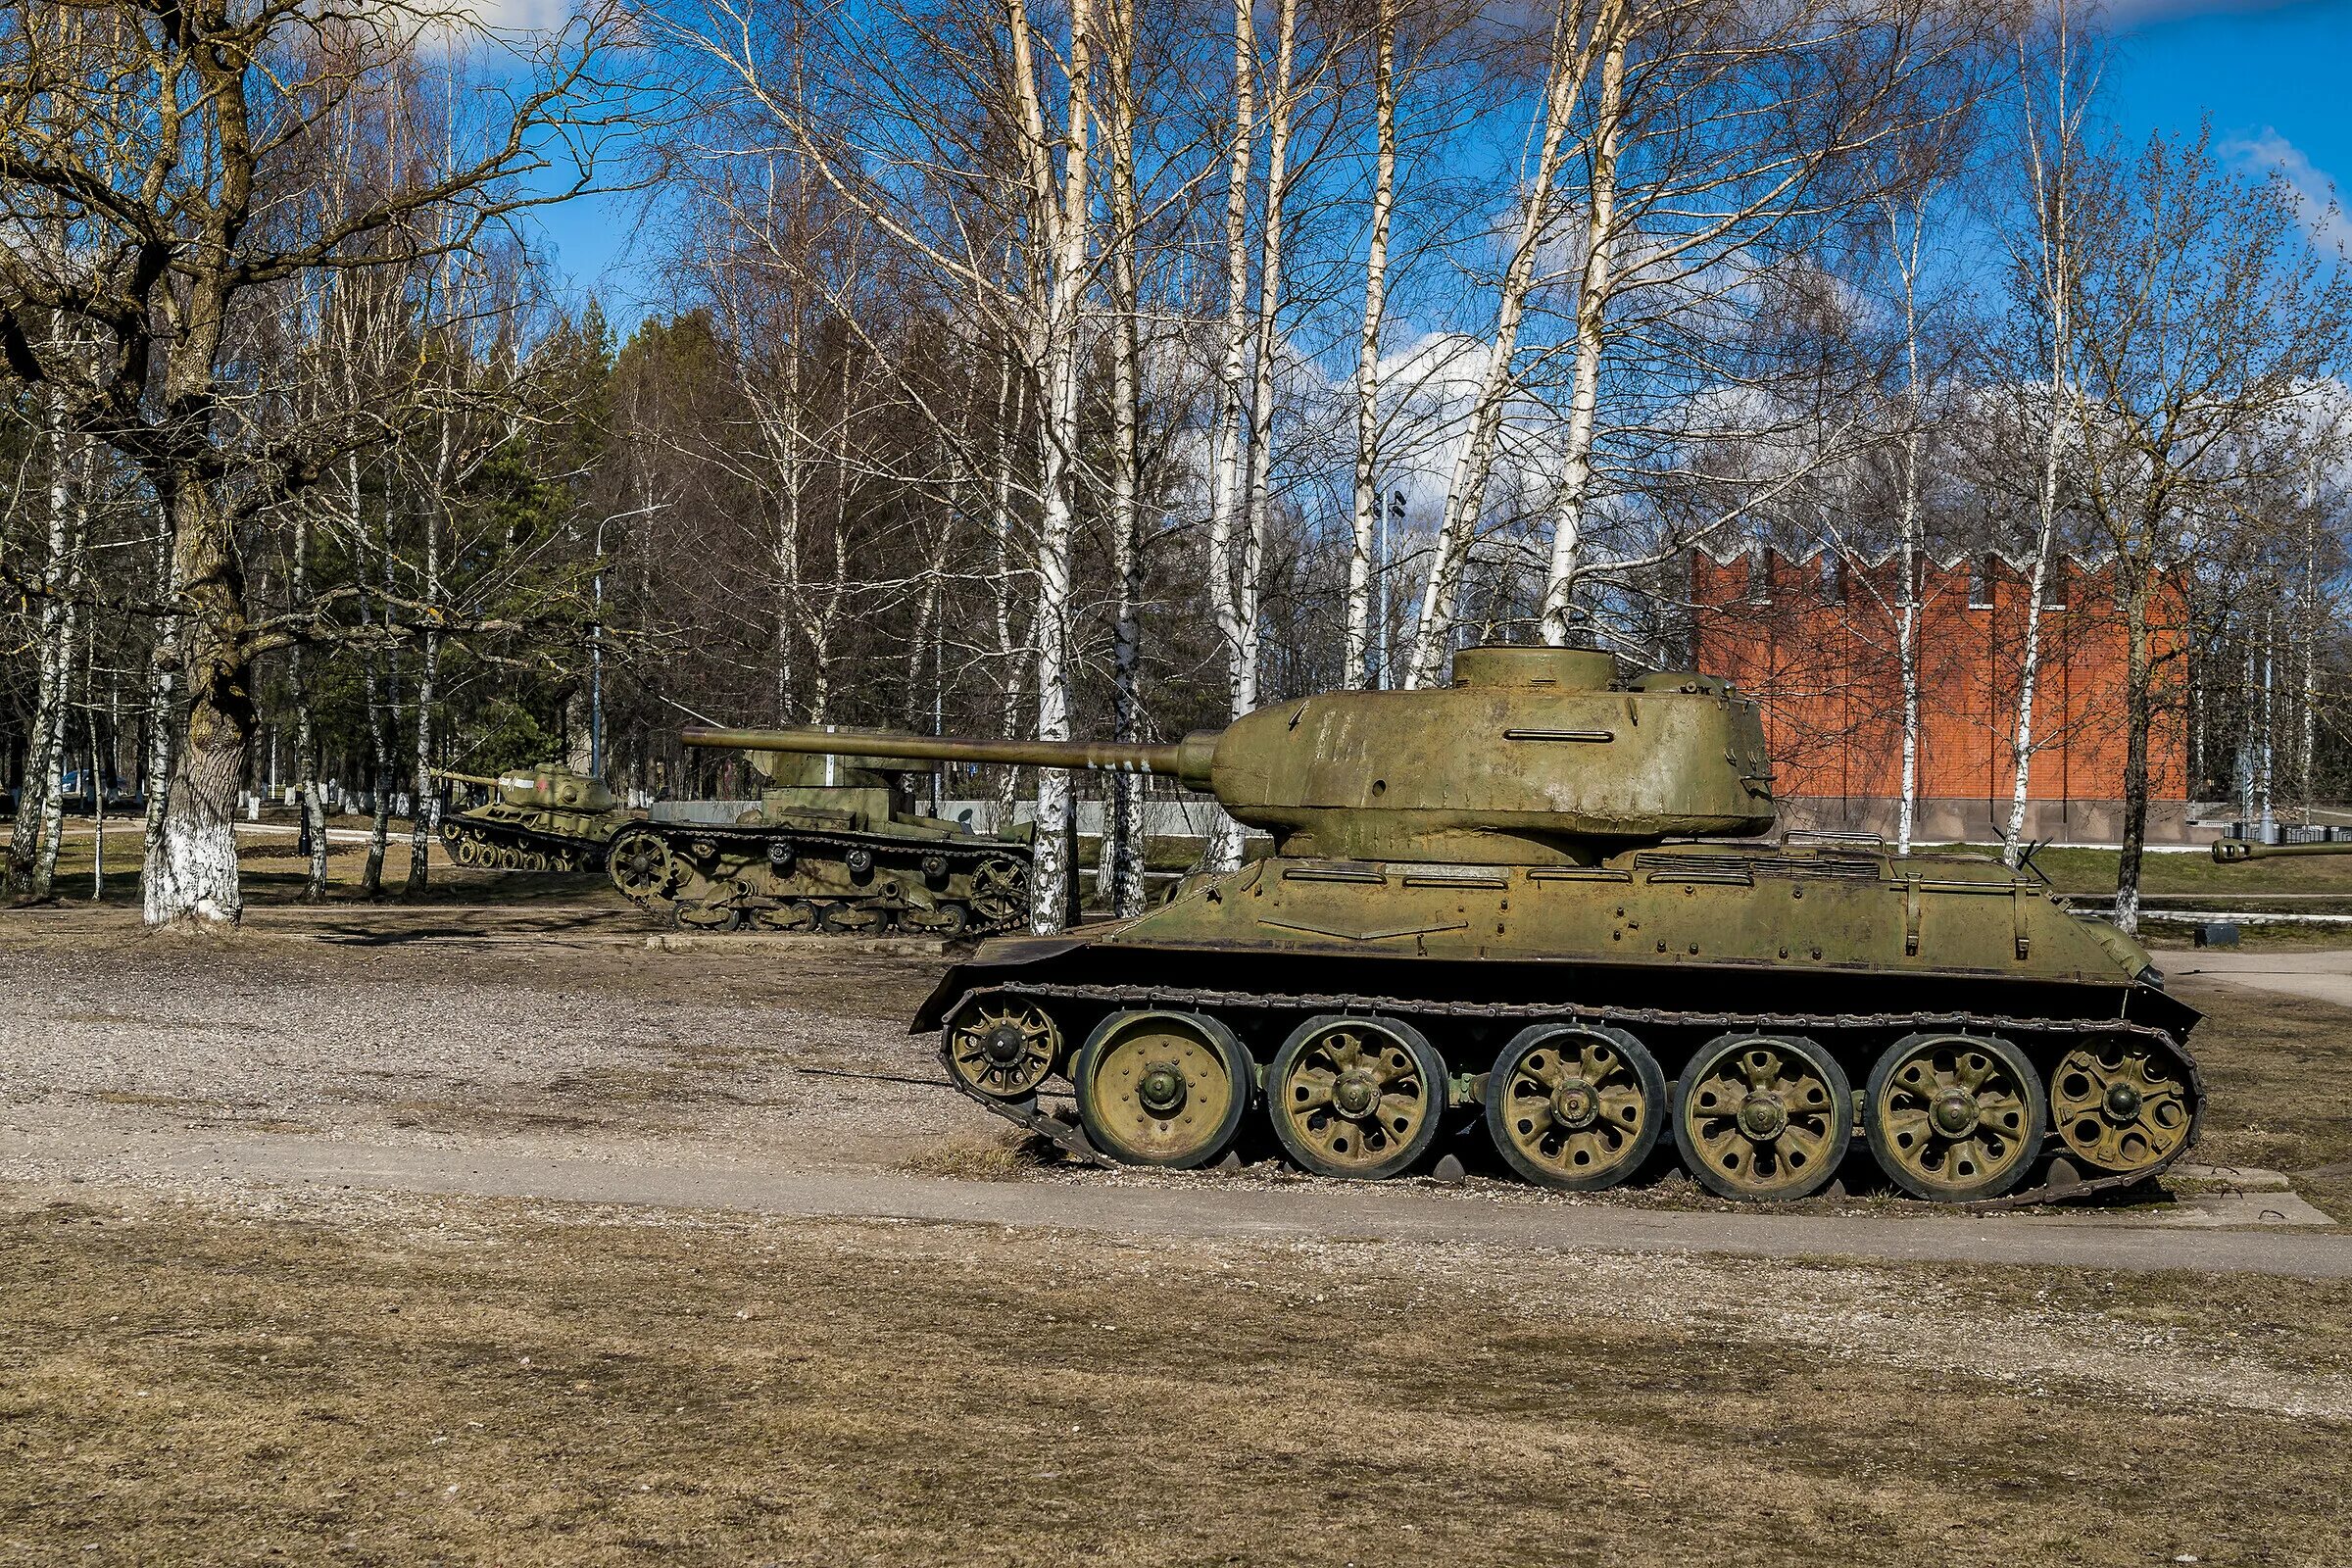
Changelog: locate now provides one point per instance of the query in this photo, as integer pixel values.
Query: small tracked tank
(1533, 903)
(544, 818)
(826, 849)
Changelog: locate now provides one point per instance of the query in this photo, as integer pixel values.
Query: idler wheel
(1165, 1088)
(1577, 1106)
(1763, 1116)
(1954, 1117)
(1002, 1048)
(2118, 1108)
(1356, 1097)
(640, 865)
(999, 892)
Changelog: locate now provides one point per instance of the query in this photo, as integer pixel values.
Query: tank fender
(991, 964)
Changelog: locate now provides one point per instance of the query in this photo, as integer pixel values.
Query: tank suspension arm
(1186, 762)
(2232, 851)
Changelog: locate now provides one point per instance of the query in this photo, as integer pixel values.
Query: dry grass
(479, 1385)
(1006, 1156)
(2279, 1081)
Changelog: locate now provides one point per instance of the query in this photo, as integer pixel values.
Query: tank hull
(823, 871)
(502, 837)
(1881, 971)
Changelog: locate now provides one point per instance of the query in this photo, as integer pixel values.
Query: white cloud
(2323, 215)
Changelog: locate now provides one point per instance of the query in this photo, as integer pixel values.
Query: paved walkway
(2320, 974)
(61, 1144)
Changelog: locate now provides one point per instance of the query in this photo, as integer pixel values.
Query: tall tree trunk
(1365, 514)
(44, 761)
(306, 723)
(2139, 710)
(379, 740)
(1061, 232)
(192, 875)
(164, 664)
(1228, 457)
(1119, 874)
(1591, 331)
(421, 821)
(1225, 840)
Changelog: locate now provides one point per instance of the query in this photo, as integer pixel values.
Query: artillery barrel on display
(826, 847)
(1533, 911)
(2230, 852)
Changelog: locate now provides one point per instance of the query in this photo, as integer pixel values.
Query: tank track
(891, 853)
(564, 851)
(1069, 1136)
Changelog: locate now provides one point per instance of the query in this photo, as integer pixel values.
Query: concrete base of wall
(1944, 820)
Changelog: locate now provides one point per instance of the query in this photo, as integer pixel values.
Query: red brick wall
(1829, 675)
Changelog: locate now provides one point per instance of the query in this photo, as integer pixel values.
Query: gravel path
(551, 1054)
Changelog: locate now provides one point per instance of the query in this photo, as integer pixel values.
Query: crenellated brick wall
(1817, 639)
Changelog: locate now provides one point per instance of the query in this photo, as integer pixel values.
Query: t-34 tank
(825, 849)
(544, 818)
(1534, 900)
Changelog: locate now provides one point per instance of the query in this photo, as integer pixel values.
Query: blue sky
(2272, 76)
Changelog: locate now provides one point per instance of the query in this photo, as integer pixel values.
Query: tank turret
(1533, 756)
(549, 787)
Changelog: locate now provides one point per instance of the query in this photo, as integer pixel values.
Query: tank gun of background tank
(2232, 852)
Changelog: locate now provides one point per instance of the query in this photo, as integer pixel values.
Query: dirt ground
(225, 1371)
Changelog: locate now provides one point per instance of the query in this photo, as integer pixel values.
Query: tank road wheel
(706, 916)
(941, 920)
(1002, 1048)
(796, 914)
(465, 851)
(1954, 1117)
(1356, 1097)
(1577, 1106)
(507, 858)
(1763, 1116)
(2116, 1109)
(849, 919)
(534, 860)
(1162, 1087)
(640, 865)
(999, 892)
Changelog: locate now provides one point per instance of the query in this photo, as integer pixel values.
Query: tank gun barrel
(456, 777)
(2230, 852)
(1188, 761)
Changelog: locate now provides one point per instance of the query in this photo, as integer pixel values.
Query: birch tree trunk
(2054, 225)
(1060, 230)
(1225, 838)
(420, 822)
(43, 760)
(163, 681)
(1364, 529)
(2139, 711)
(379, 740)
(307, 793)
(1907, 625)
(1591, 316)
(1119, 874)
(1466, 488)
(1229, 455)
